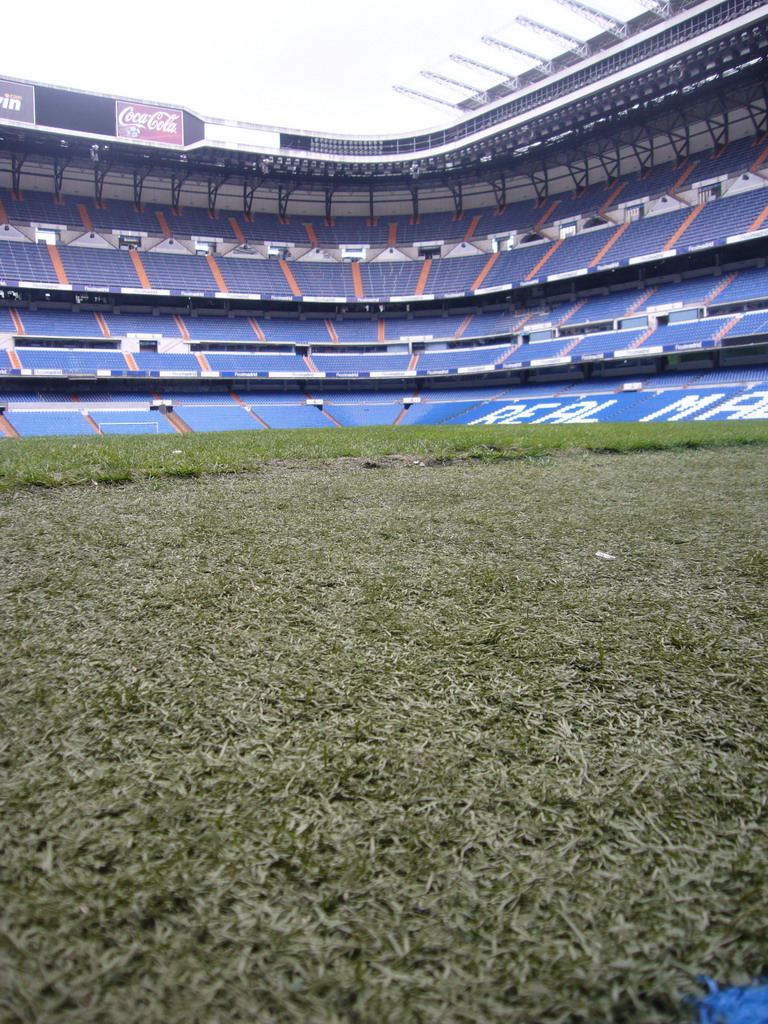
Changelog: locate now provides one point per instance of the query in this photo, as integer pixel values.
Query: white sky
(322, 65)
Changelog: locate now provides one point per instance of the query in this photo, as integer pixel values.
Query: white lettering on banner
(153, 120)
(10, 102)
(514, 413)
(753, 406)
(683, 407)
(580, 412)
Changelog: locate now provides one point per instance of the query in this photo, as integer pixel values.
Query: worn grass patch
(377, 747)
(57, 461)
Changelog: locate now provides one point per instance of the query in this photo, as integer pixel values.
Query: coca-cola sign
(149, 124)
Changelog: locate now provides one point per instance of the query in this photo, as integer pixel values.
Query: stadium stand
(631, 266)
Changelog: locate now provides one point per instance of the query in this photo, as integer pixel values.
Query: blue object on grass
(737, 1005)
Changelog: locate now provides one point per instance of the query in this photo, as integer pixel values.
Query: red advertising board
(149, 124)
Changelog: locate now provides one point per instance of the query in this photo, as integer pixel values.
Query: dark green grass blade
(51, 462)
(394, 746)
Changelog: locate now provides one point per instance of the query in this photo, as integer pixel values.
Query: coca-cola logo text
(154, 124)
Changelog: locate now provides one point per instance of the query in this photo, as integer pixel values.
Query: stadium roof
(698, 65)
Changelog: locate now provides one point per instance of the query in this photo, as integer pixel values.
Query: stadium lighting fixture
(569, 43)
(512, 80)
(603, 21)
(424, 97)
(452, 83)
(540, 63)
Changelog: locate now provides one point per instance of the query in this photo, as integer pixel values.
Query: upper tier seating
(297, 332)
(315, 278)
(346, 363)
(568, 315)
(248, 276)
(255, 362)
(732, 215)
(83, 267)
(49, 323)
(79, 213)
(26, 262)
(602, 308)
(219, 328)
(384, 279)
(748, 286)
(485, 355)
(70, 360)
(608, 341)
(695, 292)
(120, 325)
(165, 271)
(176, 361)
(98, 267)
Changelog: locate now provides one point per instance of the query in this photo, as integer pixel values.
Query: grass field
(358, 727)
(59, 461)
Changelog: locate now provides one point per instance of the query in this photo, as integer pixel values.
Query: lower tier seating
(738, 393)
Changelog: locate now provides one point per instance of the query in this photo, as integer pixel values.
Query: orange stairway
(167, 233)
(551, 250)
(217, 275)
(8, 429)
(546, 215)
(422, 282)
(256, 329)
(58, 266)
(684, 226)
(464, 325)
(609, 201)
(472, 228)
(138, 266)
(85, 217)
(615, 236)
(102, 325)
(484, 272)
(182, 327)
(288, 274)
(238, 231)
(760, 219)
(17, 321)
(357, 279)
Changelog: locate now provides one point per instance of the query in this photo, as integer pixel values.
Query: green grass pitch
(361, 727)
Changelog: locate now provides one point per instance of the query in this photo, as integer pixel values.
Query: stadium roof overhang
(694, 67)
